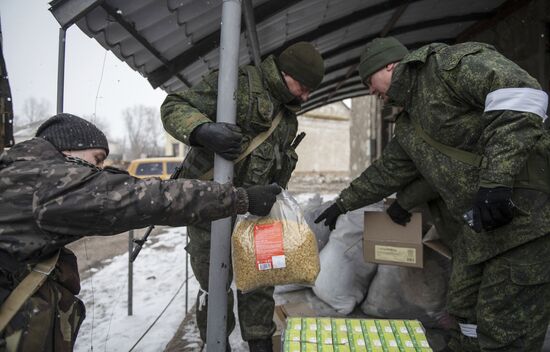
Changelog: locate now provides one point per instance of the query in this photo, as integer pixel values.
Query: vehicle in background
(161, 167)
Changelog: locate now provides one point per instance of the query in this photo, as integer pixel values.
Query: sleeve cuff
(241, 201)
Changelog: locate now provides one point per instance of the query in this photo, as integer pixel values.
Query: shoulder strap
(26, 289)
(255, 143)
(255, 81)
(452, 152)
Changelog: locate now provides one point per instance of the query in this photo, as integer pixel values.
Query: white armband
(518, 99)
(469, 330)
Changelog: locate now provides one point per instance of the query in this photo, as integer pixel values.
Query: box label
(395, 254)
(268, 246)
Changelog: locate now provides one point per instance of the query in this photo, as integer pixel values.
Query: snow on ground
(158, 273)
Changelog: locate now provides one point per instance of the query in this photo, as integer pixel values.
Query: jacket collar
(276, 84)
(40, 150)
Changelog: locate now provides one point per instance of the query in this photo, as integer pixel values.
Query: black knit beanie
(70, 132)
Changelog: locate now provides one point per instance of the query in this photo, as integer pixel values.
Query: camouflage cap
(378, 53)
(70, 132)
(304, 63)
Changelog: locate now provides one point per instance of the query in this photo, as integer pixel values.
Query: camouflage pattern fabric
(49, 321)
(48, 200)
(419, 192)
(508, 297)
(442, 89)
(260, 97)
(254, 322)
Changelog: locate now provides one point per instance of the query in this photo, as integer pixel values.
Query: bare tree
(34, 110)
(144, 131)
(99, 122)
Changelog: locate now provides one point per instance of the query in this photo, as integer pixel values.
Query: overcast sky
(30, 43)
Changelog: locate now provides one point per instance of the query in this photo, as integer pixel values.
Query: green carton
(354, 335)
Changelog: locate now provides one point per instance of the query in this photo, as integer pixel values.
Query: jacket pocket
(262, 114)
(259, 166)
(530, 274)
(290, 159)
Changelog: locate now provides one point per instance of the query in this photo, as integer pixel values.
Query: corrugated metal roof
(175, 42)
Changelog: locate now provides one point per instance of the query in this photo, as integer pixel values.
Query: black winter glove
(330, 215)
(398, 214)
(493, 208)
(222, 138)
(261, 198)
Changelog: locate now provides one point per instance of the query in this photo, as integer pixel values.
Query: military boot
(263, 345)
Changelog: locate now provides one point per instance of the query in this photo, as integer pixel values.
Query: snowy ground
(159, 273)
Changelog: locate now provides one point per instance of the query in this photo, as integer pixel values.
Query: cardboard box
(431, 240)
(280, 315)
(385, 242)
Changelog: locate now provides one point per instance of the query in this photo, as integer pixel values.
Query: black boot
(263, 345)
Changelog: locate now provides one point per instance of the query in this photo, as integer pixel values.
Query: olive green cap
(303, 63)
(378, 53)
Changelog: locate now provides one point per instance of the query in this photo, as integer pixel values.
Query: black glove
(330, 215)
(222, 138)
(493, 208)
(261, 198)
(398, 214)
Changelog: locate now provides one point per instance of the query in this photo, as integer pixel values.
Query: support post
(223, 172)
(130, 272)
(61, 70)
(251, 32)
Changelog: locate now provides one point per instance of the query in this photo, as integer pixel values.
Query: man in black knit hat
(53, 191)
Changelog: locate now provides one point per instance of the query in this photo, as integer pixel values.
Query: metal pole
(61, 70)
(186, 274)
(223, 172)
(130, 271)
(251, 32)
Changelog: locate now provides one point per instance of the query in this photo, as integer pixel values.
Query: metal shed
(173, 43)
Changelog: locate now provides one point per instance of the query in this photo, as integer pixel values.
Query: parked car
(161, 167)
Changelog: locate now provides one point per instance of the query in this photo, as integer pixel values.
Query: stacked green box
(354, 335)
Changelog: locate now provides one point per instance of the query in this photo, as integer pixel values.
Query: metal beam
(61, 70)
(67, 12)
(210, 42)
(311, 106)
(391, 23)
(346, 21)
(324, 92)
(130, 28)
(403, 29)
(251, 33)
(503, 11)
(350, 88)
(220, 242)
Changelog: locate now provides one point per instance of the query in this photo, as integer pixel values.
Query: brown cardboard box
(288, 310)
(386, 242)
(431, 240)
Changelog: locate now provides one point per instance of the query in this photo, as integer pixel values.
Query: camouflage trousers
(505, 301)
(255, 308)
(48, 322)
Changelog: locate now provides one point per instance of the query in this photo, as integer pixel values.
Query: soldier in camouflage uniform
(53, 192)
(416, 194)
(278, 86)
(472, 128)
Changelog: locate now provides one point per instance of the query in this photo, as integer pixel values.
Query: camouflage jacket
(47, 201)
(261, 94)
(442, 89)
